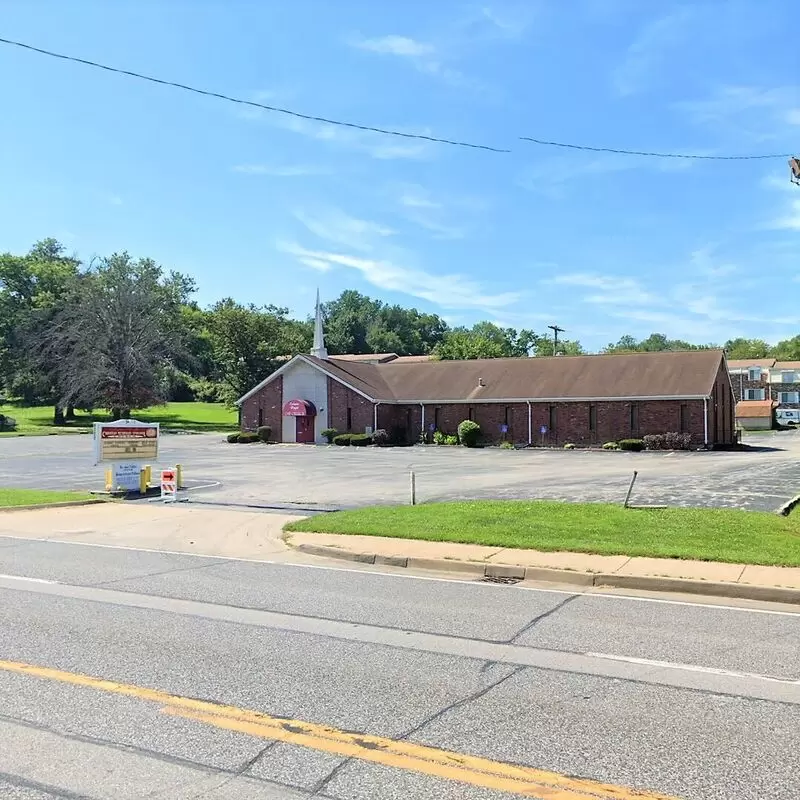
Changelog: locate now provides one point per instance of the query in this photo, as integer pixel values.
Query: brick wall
(340, 398)
(565, 422)
(721, 410)
(741, 383)
(269, 402)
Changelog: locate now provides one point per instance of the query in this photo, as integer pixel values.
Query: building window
(436, 418)
(260, 417)
(787, 377)
(553, 419)
(684, 418)
(754, 394)
(349, 418)
(634, 417)
(754, 374)
(789, 397)
(592, 418)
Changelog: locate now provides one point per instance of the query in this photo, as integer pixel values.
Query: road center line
(460, 767)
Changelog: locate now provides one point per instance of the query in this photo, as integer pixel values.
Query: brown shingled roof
(754, 409)
(744, 363)
(665, 374)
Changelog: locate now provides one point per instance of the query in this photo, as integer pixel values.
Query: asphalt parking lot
(339, 477)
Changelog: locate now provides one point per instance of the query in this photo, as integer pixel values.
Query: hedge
(469, 432)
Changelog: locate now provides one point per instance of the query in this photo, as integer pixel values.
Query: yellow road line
(473, 770)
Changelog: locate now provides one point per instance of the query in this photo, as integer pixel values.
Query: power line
(228, 98)
(384, 131)
(696, 156)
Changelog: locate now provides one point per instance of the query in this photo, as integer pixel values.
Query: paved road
(345, 477)
(534, 689)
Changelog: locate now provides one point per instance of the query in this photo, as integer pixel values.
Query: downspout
(422, 424)
(705, 421)
(530, 423)
(375, 417)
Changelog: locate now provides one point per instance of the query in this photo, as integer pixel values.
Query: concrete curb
(650, 583)
(65, 504)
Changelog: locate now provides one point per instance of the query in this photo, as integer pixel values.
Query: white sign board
(126, 440)
(125, 475)
(169, 485)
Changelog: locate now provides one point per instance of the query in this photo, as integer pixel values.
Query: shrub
(611, 446)
(264, 432)
(632, 445)
(380, 437)
(451, 440)
(506, 446)
(569, 446)
(468, 433)
(677, 441)
(330, 434)
(343, 439)
(7, 423)
(439, 437)
(232, 438)
(360, 439)
(206, 391)
(246, 437)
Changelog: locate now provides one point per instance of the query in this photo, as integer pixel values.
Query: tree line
(120, 333)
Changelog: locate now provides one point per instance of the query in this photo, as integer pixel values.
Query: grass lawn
(38, 420)
(706, 534)
(38, 497)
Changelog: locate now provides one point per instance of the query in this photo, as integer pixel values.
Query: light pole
(556, 330)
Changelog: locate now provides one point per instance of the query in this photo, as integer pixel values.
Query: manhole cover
(502, 581)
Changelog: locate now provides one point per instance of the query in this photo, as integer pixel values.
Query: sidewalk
(777, 584)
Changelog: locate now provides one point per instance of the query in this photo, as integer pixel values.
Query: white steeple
(318, 348)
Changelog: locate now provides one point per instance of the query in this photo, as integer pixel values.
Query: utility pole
(556, 330)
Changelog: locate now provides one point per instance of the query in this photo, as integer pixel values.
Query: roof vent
(480, 382)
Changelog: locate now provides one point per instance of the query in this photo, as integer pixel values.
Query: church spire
(318, 349)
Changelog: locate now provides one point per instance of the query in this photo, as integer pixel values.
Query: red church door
(304, 430)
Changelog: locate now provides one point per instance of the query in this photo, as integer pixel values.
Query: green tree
(786, 350)
(250, 342)
(116, 334)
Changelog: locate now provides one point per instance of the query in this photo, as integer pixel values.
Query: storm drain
(498, 579)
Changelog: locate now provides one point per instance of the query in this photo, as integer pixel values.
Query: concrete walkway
(580, 568)
(175, 528)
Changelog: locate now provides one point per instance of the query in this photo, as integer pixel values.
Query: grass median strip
(9, 498)
(727, 535)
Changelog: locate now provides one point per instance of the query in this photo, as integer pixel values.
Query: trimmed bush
(506, 446)
(246, 437)
(569, 446)
(632, 445)
(330, 434)
(451, 440)
(360, 439)
(611, 446)
(343, 439)
(668, 441)
(439, 437)
(380, 437)
(264, 432)
(233, 438)
(7, 423)
(469, 433)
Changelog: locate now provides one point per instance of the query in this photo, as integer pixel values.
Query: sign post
(169, 485)
(124, 444)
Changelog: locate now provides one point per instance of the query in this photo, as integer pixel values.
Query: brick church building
(542, 401)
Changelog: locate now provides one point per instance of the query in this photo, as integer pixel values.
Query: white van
(787, 416)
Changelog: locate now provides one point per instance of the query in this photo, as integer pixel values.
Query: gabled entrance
(304, 414)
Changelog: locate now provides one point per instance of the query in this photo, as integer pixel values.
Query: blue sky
(265, 208)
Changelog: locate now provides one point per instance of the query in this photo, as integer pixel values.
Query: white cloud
(276, 171)
(790, 221)
(650, 48)
(377, 145)
(334, 226)
(401, 46)
(417, 197)
(607, 289)
(447, 291)
(793, 116)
